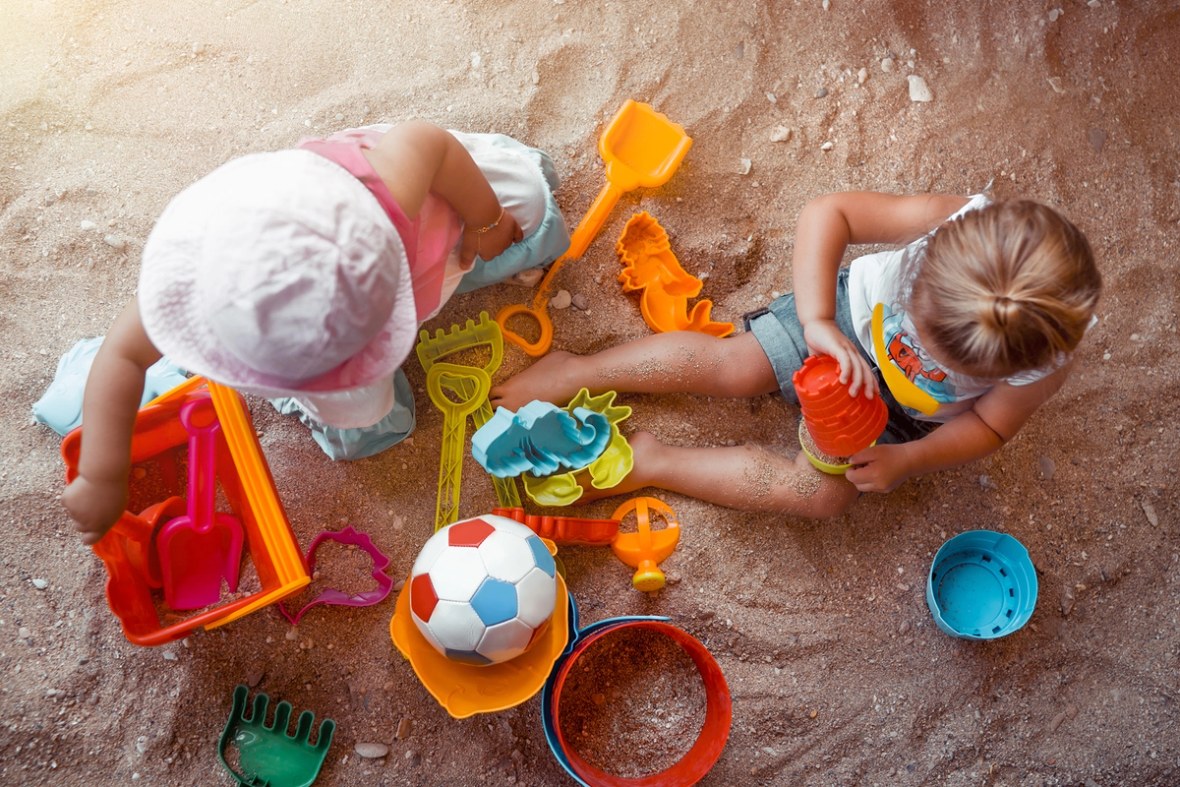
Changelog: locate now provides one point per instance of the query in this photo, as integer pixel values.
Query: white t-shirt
(878, 278)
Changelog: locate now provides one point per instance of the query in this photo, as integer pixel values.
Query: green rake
(266, 755)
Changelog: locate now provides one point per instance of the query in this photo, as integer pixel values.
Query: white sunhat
(278, 272)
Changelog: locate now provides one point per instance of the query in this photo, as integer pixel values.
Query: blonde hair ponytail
(1006, 288)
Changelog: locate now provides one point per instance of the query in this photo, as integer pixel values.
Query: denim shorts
(778, 331)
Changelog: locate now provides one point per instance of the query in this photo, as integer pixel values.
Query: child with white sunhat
(302, 276)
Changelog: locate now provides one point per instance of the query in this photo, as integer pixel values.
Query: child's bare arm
(98, 496)
(995, 418)
(416, 158)
(827, 226)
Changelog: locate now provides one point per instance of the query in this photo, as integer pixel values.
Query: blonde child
(984, 307)
(302, 275)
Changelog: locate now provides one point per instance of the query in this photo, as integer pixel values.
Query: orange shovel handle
(591, 224)
(640, 147)
(583, 234)
(540, 316)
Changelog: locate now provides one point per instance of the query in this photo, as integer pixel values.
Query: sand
(838, 673)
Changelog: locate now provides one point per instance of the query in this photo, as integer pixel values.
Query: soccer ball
(483, 589)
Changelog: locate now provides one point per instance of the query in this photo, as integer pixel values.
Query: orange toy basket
(158, 442)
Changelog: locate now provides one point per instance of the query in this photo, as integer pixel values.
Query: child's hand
(490, 244)
(823, 337)
(94, 506)
(879, 468)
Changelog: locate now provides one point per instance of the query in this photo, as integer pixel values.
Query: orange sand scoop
(839, 424)
(650, 267)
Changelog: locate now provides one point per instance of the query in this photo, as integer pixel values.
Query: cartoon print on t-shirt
(903, 350)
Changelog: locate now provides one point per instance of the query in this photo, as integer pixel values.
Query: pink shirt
(427, 239)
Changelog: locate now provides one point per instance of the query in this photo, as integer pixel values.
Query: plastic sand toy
(266, 755)
(159, 439)
(540, 438)
(333, 596)
(839, 425)
(460, 390)
(483, 589)
(611, 467)
(466, 689)
(202, 547)
(832, 465)
(982, 585)
(474, 385)
(563, 530)
(651, 269)
(640, 147)
(646, 547)
(139, 545)
(904, 390)
(710, 741)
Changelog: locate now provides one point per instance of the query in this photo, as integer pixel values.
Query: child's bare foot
(550, 379)
(646, 449)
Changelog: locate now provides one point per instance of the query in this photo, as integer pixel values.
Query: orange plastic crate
(160, 438)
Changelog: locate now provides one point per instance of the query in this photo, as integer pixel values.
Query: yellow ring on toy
(816, 462)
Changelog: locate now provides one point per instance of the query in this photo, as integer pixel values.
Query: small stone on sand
(919, 91)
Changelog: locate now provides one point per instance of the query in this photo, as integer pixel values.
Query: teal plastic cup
(982, 585)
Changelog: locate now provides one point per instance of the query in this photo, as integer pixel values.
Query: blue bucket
(982, 585)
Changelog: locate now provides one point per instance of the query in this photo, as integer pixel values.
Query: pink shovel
(197, 551)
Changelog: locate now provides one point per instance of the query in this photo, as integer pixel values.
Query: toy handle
(648, 577)
(200, 419)
(540, 315)
(583, 234)
(443, 377)
(590, 225)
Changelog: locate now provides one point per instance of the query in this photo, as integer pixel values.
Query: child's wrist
(479, 232)
(486, 228)
(811, 322)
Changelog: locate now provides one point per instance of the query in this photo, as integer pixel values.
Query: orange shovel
(640, 147)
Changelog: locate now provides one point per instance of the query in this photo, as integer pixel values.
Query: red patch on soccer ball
(423, 599)
(470, 533)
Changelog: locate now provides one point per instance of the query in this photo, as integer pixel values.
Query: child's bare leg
(749, 478)
(674, 362)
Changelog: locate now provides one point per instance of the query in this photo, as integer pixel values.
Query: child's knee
(829, 506)
(547, 241)
(816, 495)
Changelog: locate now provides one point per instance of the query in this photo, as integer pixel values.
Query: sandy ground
(838, 674)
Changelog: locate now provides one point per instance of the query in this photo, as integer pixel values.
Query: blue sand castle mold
(982, 585)
(605, 472)
(540, 438)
